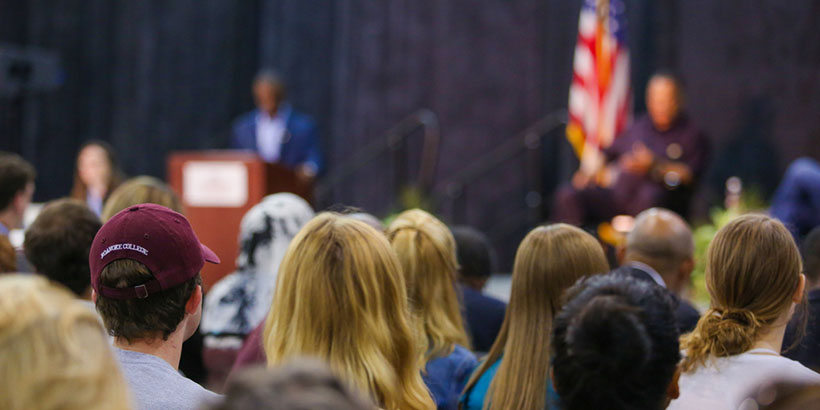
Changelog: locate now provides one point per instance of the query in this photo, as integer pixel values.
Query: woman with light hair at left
(53, 351)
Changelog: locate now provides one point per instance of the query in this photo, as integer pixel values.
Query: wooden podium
(217, 189)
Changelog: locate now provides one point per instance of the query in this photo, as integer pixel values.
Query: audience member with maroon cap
(145, 263)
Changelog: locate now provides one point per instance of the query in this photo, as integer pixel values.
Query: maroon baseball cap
(155, 236)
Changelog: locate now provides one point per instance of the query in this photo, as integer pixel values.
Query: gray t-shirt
(155, 385)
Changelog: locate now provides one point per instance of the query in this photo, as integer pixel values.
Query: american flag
(600, 97)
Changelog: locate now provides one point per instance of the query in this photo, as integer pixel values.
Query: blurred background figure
(301, 384)
(656, 162)
(96, 174)
(616, 346)
(53, 351)
(483, 314)
(276, 131)
(660, 249)
(16, 190)
(237, 305)
(797, 199)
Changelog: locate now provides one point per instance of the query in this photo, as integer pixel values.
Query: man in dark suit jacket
(483, 314)
(276, 131)
(660, 249)
(807, 351)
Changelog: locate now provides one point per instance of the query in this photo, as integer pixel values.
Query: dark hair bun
(615, 344)
(608, 338)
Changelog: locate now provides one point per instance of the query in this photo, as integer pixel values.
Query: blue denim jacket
(446, 376)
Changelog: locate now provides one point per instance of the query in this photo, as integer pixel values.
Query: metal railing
(395, 141)
(453, 191)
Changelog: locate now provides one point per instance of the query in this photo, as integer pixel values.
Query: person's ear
(801, 288)
(686, 268)
(94, 296)
(195, 301)
(673, 389)
(20, 201)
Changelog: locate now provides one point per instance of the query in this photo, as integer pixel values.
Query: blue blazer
(299, 146)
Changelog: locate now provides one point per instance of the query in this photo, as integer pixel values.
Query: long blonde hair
(753, 270)
(340, 297)
(549, 260)
(427, 254)
(53, 351)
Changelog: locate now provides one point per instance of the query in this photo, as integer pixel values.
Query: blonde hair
(752, 273)
(427, 254)
(340, 297)
(140, 190)
(53, 351)
(549, 260)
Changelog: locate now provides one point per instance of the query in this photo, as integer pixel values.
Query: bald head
(662, 240)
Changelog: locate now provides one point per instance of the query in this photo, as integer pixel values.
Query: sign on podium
(217, 188)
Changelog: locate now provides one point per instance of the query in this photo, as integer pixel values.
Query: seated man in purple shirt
(654, 163)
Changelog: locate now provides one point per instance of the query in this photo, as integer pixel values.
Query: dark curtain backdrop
(156, 76)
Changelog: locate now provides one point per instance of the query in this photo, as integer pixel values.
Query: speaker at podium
(217, 188)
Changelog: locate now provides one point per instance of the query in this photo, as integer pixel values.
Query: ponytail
(720, 332)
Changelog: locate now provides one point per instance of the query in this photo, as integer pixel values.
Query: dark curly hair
(615, 345)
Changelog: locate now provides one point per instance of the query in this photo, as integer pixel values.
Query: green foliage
(410, 197)
(750, 201)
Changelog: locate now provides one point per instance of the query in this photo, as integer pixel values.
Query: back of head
(752, 273)
(140, 190)
(427, 253)
(549, 260)
(145, 263)
(15, 175)
(58, 242)
(616, 345)
(53, 351)
(340, 297)
(299, 385)
(811, 256)
(153, 317)
(474, 252)
(660, 239)
(267, 229)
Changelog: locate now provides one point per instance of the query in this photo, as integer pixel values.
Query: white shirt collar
(649, 270)
(282, 114)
